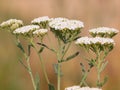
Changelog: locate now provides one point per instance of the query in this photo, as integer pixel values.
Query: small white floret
(40, 32)
(100, 40)
(40, 19)
(10, 22)
(63, 23)
(88, 88)
(103, 30)
(26, 29)
(72, 88)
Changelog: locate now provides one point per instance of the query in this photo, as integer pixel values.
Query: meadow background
(93, 13)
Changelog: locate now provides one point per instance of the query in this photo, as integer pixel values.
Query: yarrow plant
(66, 32)
(100, 46)
(41, 21)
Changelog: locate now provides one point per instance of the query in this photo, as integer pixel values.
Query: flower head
(103, 32)
(64, 24)
(72, 88)
(41, 21)
(26, 30)
(65, 29)
(11, 24)
(81, 88)
(97, 43)
(53, 21)
(40, 32)
(88, 88)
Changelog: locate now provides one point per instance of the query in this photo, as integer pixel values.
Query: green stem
(30, 73)
(59, 59)
(42, 64)
(27, 57)
(83, 79)
(66, 50)
(98, 70)
(58, 77)
(43, 68)
(60, 56)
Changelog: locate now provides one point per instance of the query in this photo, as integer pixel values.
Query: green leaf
(103, 66)
(92, 63)
(19, 45)
(29, 47)
(37, 81)
(83, 68)
(105, 80)
(41, 50)
(63, 49)
(56, 69)
(51, 87)
(46, 46)
(111, 47)
(72, 56)
(76, 38)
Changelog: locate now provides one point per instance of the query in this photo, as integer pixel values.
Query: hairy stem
(30, 73)
(98, 69)
(58, 77)
(83, 79)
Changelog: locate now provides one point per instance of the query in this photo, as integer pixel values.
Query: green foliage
(46, 47)
(19, 45)
(41, 50)
(103, 66)
(51, 87)
(71, 56)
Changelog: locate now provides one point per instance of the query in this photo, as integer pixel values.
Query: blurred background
(93, 13)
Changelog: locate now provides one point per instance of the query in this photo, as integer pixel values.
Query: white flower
(88, 88)
(53, 21)
(63, 23)
(83, 40)
(100, 40)
(103, 30)
(65, 29)
(81, 88)
(40, 32)
(72, 88)
(26, 29)
(11, 23)
(40, 19)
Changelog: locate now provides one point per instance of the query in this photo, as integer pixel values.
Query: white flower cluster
(81, 88)
(72, 88)
(56, 20)
(26, 29)
(88, 88)
(103, 30)
(40, 19)
(11, 23)
(63, 23)
(96, 40)
(40, 32)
